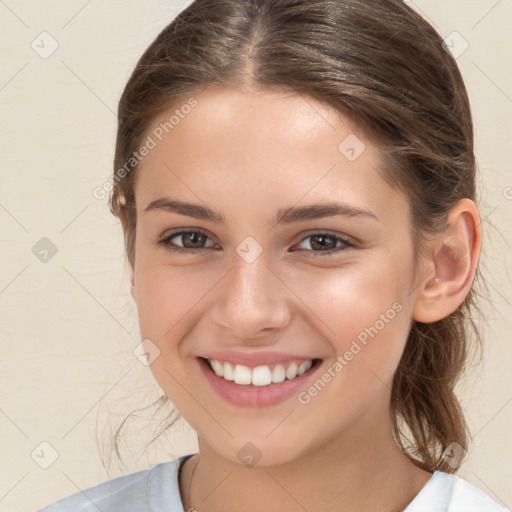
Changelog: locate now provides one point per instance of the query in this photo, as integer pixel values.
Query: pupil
(195, 237)
(322, 244)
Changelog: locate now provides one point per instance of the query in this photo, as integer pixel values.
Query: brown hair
(386, 68)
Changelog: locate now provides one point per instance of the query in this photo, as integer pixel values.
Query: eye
(327, 241)
(191, 241)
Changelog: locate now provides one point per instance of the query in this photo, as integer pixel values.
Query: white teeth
(302, 368)
(260, 375)
(279, 374)
(218, 368)
(242, 374)
(291, 372)
(228, 372)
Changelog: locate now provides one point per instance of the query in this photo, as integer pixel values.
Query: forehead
(256, 115)
(283, 147)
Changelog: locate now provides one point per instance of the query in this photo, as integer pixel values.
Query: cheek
(365, 318)
(165, 297)
(168, 301)
(362, 311)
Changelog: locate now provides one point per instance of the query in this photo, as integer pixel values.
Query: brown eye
(323, 242)
(326, 244)
(190, 241)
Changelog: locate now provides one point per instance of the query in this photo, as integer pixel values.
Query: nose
(252, 300)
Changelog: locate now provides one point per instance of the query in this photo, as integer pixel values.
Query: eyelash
(165, 242)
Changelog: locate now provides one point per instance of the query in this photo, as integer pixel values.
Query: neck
(360, 469)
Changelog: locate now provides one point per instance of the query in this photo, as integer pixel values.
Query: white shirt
(157, 490)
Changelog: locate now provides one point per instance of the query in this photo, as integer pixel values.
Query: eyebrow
(281, 216)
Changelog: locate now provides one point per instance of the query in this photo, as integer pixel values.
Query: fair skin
(246, 155)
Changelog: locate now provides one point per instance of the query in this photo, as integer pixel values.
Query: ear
(123, 217)
(451, 267)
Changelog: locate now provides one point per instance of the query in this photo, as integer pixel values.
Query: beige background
(68, 326)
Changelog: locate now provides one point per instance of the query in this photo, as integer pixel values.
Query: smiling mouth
(260, 376)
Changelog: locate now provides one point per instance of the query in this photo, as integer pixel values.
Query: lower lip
(255, 396)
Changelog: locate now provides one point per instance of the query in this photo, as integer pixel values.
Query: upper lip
(253, 359)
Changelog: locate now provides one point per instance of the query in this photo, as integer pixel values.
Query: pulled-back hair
(383, 66)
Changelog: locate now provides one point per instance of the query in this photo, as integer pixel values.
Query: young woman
(296, 184)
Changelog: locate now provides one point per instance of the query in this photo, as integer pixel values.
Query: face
(256, 282)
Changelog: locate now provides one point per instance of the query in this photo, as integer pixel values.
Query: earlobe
(453, 264)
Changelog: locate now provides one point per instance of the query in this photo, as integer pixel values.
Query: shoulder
(450, 493)
(142, 491)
